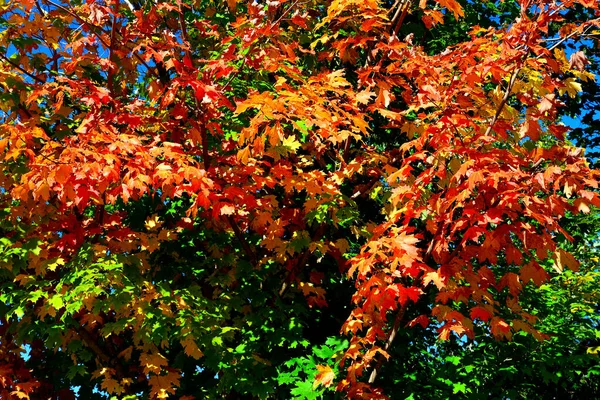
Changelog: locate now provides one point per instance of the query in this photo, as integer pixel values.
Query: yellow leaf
(435, 278)
(152, 222)
(364, 97)
(593, 350)
(19, 394)
(55, 264)
(336, 79)
(291, 143)
(111, 386)
(243, 155)
(325, 376)
(571, 87)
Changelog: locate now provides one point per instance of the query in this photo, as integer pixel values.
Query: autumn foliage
(184, 183)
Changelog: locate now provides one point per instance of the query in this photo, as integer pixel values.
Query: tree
(198, 196)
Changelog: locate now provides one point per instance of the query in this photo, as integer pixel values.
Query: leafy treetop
(192, 188)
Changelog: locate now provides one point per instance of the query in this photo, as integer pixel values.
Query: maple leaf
(500, 328)
(227, 209)
(290, 144)
(578, 60)
(453, 6)
(434, 277)
(191, 349)
(480, 313)
(547, 103)
(534, 272)
(325, 376)
(164, 385)
(564, 259)
(571, 87)
(152, 362)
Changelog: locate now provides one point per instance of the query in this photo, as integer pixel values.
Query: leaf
(453, 6)
(325, 376)
(571, 87)
(434, 277)
(164, 385)
(232, 4)
(153, 362)
(191, 349)
(481, 313)
(593, 350)
(578, 61)
(459, 388)
(291, 144)
(564, 259)
(227, 209)
(547, 103)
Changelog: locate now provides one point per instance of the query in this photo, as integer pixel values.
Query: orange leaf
(190, 348)
(564, 259)
(453, 6)
(232, 4)
(163, 385)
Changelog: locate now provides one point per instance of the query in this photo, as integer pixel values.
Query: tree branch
(390, 340)
(302, 261)
(23, 70)
(240, 237)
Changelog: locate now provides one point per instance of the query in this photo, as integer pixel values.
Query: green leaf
(459, 388)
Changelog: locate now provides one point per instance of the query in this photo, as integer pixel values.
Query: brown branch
(302, 261)
(236, 73)
(505, 98)
(101, 353)
(205, 154)
(395, 24)
(23, 70)
(111, 67)
(284, 14)
(346, 153)
(39, 7)
(184, 34)
(404, 8)
(516, 71)
(572, 34)
(390, 340)
(240, 237)
(90, 342)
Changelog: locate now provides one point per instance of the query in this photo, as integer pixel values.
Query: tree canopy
(298, 199)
